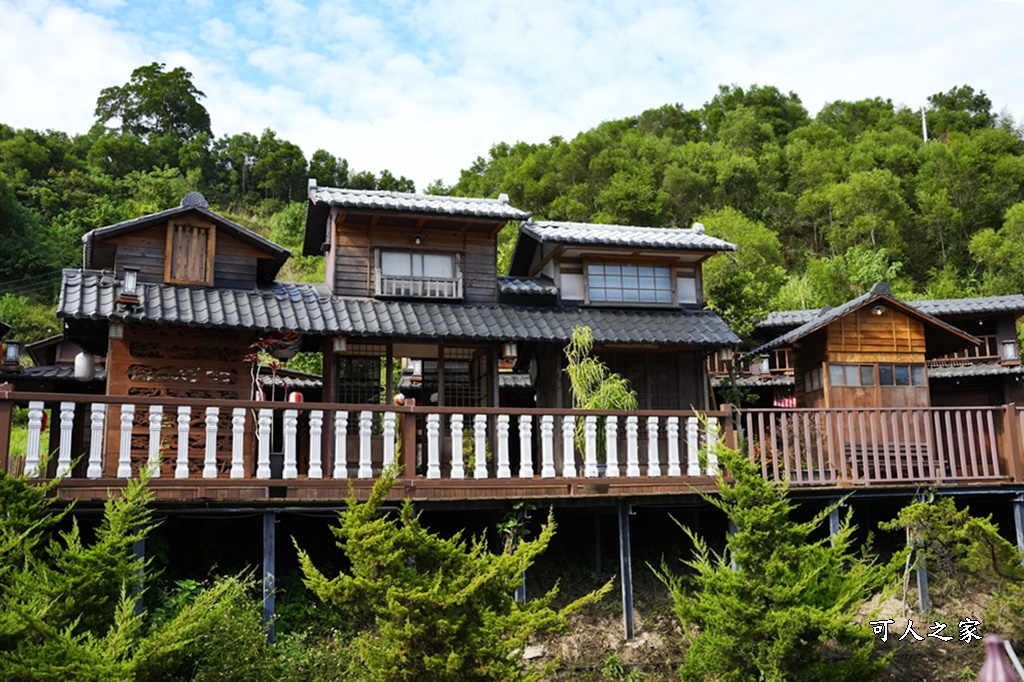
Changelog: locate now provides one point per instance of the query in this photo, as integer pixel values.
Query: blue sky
(423, 87)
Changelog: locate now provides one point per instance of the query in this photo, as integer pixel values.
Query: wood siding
(863, 336)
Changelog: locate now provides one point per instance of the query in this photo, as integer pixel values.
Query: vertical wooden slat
(341, 444)
(991, 455)
(865, 445)
(568, 447)
(653, 456)
(959, 428)
(184, 420)
(480, 445)
(263, 423)
(672, 434)
(210, 454)
(839, 448)
(923, 453)
(35, 437)
(632, 455)
(831, 472)
(876, 451)
(434, 446)
(67, 425)
(237, 442)
(502, 428)
(316, 429)
(821, 448)
(455, 428)
(365, 452)
(940, 445)
(973, 436)
(767, 448)
(525, 446)
(883, 449)
(590, 446)
(547, 446)
(611, 446)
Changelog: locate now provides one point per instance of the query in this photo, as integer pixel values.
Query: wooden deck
(239, 453)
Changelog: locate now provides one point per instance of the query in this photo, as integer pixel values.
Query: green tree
(155, 102)
(443, 609)
(960, 109)
(328, 170)
(1001, 254)
(777, 605)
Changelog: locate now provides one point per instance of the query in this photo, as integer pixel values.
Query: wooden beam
(555, 252)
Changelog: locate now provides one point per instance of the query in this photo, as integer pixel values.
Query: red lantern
(295, 397)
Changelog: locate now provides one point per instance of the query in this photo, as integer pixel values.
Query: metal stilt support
(139, 553)
(269, 571)
(833, 524)
(1018, 519)
(626, 570)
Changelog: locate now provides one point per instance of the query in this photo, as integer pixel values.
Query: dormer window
(421, 275)
(190, 251)
(629, 283)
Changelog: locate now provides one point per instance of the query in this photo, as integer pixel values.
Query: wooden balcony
(237, 452)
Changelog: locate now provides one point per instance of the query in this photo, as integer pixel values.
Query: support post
(626, 570)
(269, 572)
(6, 408)
(833, 524)
(408, 429)
(923, 602)
(1018, 521)
(139, 554)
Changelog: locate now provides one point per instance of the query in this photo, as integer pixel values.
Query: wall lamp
(418, 238)
(129, 287)
(878, 310)
(12, 354)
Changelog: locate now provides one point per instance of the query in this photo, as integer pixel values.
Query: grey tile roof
(939, 307)
(403, 202)
(979, 369)
(310, 309)
(592, 234)
(754, 382)
(527, 286)
(879, 292)
(60, 372)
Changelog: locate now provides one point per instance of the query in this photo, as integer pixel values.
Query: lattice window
(420, 275)
(190, 251)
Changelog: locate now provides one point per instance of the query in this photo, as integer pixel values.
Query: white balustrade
(389, 438)
(316, 430)
(590, 446)
(568, 446)
(672, 433)
(632, 445)
(433, 446)
(365, 455)
(291, 428)
(264, 421)
(692, 447)
(611, 438)
(156, 422)
(480, 446)
(547, 446)
(35, 437)
(525, 446)
(96, 418)
(458, 465)
(210, 456)
(341, 445)
(124, 450)
(67, 425)
(653, 456)
(237, 442)
(184, 421)
(504, 471)
(712, 440)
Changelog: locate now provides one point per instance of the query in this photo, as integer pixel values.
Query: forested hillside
(822, 206)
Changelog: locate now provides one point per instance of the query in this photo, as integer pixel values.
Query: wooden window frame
(170, 256)
(456, 280)
(671, 266)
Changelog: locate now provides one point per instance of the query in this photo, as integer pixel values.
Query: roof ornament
(881, 289)
(698, 228)
(503, 198)
(194, 200)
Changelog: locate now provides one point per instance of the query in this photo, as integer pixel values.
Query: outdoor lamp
(12, 353)
(130, 287)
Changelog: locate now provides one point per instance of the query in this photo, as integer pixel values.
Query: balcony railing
(231, 450)
(987, 350)
(421, 287)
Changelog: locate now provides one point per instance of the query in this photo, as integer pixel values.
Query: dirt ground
(594, 649)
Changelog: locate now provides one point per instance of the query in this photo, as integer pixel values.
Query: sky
(424, 87)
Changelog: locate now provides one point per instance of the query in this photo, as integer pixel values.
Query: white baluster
(316, 430)
(67, 424)
(653, 456)
(184, 420)
(96, 419)
(547, 446)
(124, 450)
(672, 433)
(291, 429)
(712, 438)
(590, 446)
(480, 446)
(458, 466)
(632, 454)
(568, 447)
(210, 458)
(238, 442)
(503, 468)
(433, 446)
(341, 445)
(266, 418)
(365, 456)
(525, 446)
(156, 422)
(389, 438)
(611, 441)
(692, 447)
(35, 435)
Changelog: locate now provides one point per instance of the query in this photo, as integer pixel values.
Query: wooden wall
(863, 336)
(177, 362)
(355, 244)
